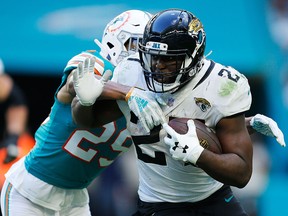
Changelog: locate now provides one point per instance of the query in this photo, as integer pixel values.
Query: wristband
(128, 95)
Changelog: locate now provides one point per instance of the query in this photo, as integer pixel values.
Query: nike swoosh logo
(229, 198)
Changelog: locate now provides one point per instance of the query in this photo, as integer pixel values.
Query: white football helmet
(122, 34)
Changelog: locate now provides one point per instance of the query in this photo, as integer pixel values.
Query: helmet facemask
(130, 46)
(164, 71)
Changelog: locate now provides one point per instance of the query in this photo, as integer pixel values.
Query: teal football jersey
(68, 156)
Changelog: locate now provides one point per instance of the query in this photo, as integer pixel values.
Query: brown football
(206, 136)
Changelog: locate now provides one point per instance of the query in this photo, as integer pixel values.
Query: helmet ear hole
(110, 45)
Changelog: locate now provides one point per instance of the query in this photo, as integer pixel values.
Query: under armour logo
(180, 147)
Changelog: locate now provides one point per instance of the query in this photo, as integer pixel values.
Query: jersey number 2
(73, 144)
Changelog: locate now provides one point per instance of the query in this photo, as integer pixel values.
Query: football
(206, 136)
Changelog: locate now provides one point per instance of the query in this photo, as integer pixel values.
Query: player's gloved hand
(184, 147)
(10, 142)
(143, 104)
(268, 127)
(87, 87)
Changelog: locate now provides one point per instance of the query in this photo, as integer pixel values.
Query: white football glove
(143, 104)
(185, 147)
(268, 127)
(87, 87)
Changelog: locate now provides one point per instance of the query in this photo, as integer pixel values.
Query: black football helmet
(172, 49)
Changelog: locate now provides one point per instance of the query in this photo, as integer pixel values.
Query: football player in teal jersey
(52, 179)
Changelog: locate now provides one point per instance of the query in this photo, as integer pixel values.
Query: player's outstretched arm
(266, 126)
(142, 103)
(88, 88)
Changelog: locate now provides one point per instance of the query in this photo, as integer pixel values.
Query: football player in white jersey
(177, 176)
(52, 179)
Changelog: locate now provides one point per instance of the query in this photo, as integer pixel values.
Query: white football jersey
(215, 92)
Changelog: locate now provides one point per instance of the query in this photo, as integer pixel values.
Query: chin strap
(199, 64)
(197, 67)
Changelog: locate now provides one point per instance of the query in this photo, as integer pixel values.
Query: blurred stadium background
(37, 38)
